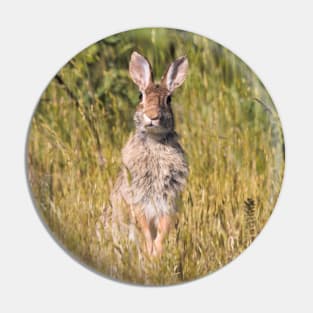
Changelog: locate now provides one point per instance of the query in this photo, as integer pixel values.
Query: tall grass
(229, 129)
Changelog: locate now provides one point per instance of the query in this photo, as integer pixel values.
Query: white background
(274, 38)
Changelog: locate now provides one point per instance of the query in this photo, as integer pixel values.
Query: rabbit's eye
(140, 96)
(168, 100)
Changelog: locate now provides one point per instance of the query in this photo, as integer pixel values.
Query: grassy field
(229, 129)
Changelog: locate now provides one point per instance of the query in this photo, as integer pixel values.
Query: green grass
(229, 129)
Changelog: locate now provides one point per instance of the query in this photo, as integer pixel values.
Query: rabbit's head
(154, 114)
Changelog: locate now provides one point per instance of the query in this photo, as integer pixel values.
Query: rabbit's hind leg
(144, 226)
(163, 227)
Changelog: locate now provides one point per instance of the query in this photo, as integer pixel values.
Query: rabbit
(154, 166)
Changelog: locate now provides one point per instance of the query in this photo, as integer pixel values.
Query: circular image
(155, 156)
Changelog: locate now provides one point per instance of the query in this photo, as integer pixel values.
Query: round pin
(155, 156)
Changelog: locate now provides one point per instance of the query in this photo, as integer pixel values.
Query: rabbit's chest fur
(154, 175)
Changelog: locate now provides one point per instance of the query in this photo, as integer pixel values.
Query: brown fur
(154, 165)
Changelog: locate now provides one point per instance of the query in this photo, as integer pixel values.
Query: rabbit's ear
(140, 71)
(176, 73)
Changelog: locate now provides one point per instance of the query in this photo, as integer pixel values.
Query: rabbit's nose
(152, 117)
(152, 112)
(155, 117)
(150, 121)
